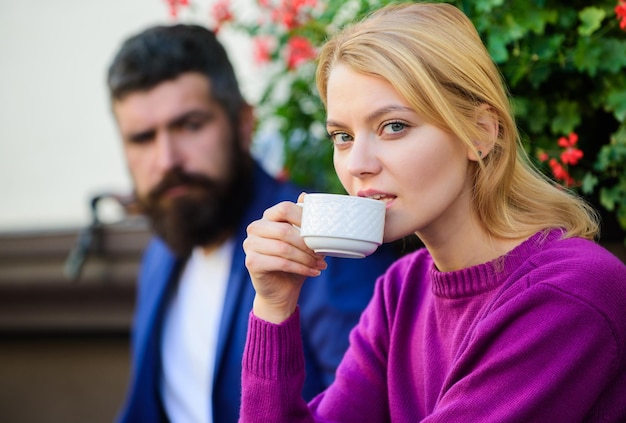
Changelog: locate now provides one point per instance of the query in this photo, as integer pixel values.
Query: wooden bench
(38, 293)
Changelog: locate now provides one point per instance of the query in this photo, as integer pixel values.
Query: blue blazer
(330, 305)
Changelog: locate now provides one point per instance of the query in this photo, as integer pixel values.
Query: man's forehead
(168, 100)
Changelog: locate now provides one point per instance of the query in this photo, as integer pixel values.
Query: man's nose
(167, 153)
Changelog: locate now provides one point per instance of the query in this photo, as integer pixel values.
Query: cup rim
(344, 197)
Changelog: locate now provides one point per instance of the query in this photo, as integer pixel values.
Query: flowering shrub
(175, 5)
(568, 155)
(620, 11)
(564, 63)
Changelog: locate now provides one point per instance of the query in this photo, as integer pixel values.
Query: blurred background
(64, 324)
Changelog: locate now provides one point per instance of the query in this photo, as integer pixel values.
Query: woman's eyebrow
(333, 123)
(376, 114)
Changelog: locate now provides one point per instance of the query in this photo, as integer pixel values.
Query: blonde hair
(433, 56)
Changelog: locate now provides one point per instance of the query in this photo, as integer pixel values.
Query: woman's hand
(279, 261)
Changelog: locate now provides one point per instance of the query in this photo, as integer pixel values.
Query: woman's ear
(489, 126)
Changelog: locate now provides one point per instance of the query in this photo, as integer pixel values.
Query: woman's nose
(362, 159)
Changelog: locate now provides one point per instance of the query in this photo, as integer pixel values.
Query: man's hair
(163, 53)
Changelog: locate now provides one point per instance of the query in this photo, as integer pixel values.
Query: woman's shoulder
(577, 256)
(576, 269)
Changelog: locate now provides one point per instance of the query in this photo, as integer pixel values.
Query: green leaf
(567, 118)
(589, 182)
(496, 44)
(612, 54)
(514, 30)
(591, 20)
(536, 115)
(616, 101)
(485, 6)
(587, 57)
(535, 19)
(608, 197)
(546, 47)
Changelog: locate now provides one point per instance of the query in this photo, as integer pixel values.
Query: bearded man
(186, 132)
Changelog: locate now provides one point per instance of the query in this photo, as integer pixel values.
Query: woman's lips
(378, 195)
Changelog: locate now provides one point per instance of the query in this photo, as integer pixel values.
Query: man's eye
(339, 138)
(193, 125)
(142, 138)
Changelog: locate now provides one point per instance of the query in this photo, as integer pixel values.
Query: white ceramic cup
(342, 225)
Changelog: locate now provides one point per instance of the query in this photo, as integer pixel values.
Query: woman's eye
(339, 138)
(394, 127)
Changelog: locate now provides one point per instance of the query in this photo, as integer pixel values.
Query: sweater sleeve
(273, 372)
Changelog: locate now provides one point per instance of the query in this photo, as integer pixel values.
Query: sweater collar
(487, 276)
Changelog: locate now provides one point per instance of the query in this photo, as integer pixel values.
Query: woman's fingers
(278, 261)
(285, 211)
(281, 242)
(275, 245)
(265, 255)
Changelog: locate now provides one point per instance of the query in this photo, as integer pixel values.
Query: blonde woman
(511, 313)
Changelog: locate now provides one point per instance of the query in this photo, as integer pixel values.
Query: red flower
(287, 17)
(560, 173)
(571, 155)
(174, 6)
(620, 11)
(299, 50)
(221, 13)
(542, 156)
(290, 13)
(570, 141)
(262, 49)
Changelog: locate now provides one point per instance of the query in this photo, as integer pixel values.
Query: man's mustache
(177, 177)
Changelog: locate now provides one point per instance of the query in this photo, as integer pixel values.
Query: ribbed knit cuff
(274, 351)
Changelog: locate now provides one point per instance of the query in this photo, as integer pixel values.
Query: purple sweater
(538, 335)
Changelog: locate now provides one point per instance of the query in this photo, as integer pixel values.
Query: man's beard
(208, 209)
